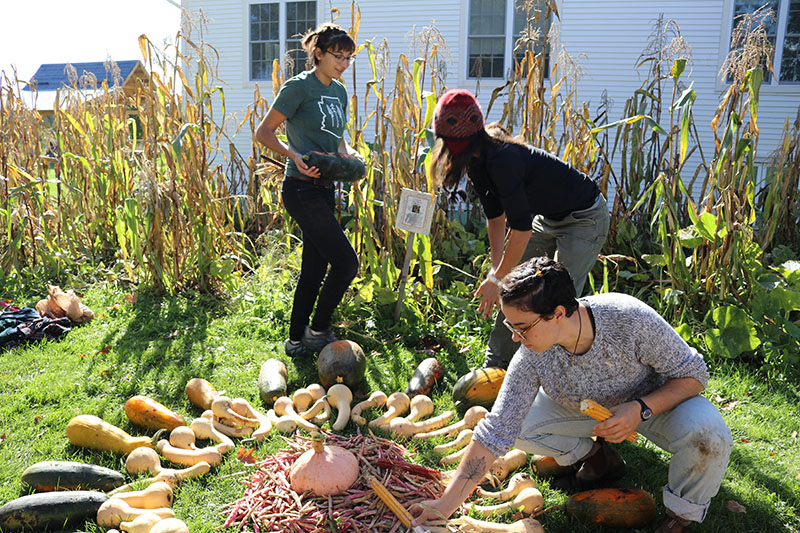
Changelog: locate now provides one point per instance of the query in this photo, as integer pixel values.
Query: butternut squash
(526, 525)
(402, 427)
(472, 416)
(146, 460)
(222, 408)
(115, 511)
(528, 501)
(243, 407)
(182, 437)
(376, 399)
(158, 494)
(141, 524)
(285, 407)
(89, 431)
(210, 454)
(317, 393)
(504, 465)
(463, 438)
(396, 404)
(420, 407)
(302, 400)
(340, 396)
(170, 525)
(518, 482)
(203, 428)
(146, 412)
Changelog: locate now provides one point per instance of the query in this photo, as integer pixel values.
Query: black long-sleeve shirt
(523, 181)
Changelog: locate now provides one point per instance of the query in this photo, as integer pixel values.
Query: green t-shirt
(316, 115)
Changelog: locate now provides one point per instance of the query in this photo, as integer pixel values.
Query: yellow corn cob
(598, 412)
(391, 502)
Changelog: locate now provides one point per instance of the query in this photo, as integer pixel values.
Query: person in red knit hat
(550, 207)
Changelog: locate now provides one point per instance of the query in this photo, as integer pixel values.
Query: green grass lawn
(156, 344)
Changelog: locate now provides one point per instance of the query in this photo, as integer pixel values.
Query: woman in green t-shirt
(313, 105)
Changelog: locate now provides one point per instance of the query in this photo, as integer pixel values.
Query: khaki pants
(575, 242)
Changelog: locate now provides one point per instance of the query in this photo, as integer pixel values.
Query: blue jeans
(693, 432)
(574, 241)
(324, 243)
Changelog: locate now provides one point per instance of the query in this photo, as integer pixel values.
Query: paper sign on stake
(414, 215)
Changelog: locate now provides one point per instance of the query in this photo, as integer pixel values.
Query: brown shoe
(673, 524)
(600, 469)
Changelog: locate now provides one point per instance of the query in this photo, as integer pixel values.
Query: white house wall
(611, 34)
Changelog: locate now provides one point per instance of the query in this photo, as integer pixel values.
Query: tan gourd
(401, 427)
(420, 407)
(376, 399)
(210, 454)
(92, 432)
(504, 465)
(170, 525)
(396, 404)
(340, 396)
(284, 407)
(141, 524)
(283, 424)
(324, 469)
(158, 494)
(244, 408)
(182, 437)
(526, 525)
(226, 429)
(312, 412)
(143, 460)
(526, 502)
(472, 416)
(463, 438)
(223, 409)
(517, 483)
(317, 393)
(302, 400)
(453, 458)
(115, 511)
(204, 429)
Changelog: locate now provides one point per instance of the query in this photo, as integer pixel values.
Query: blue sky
(62, 31)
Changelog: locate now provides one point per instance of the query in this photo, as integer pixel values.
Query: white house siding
(611, 34)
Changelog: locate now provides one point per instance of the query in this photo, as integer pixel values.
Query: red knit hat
(457, 119)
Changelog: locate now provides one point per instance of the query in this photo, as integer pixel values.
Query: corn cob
(391, 502)
(598, 412)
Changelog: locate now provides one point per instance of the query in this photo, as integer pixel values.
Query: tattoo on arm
(474, 469)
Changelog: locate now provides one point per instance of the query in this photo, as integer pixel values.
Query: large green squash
(341, 362)
(336, 166)
(48, 476)
(479, 387)
(48, 511)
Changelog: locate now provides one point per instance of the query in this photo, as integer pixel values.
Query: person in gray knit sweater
(617, 351)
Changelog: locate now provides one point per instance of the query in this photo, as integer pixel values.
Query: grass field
(154, 345)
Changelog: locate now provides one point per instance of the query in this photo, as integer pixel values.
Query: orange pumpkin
(613, 507)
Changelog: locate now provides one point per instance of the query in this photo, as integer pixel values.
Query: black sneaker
(296, 350)
(315, 342)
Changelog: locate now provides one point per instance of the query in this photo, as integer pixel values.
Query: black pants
(324, 243)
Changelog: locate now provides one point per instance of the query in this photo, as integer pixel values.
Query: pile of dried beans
(270, 505)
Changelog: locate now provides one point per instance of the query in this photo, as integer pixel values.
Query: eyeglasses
(521, 332)
(341, 58)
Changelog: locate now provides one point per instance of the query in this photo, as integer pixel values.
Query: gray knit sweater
(634, 352)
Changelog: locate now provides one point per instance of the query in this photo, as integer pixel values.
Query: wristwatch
(646, 412)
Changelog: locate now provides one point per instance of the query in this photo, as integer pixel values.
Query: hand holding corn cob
(598, 412)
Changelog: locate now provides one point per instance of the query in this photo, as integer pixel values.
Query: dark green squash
(272, 381)
(341, 362)
(48, 511)
(336, 166)
(479, 387)
(48, 476)
(427, 373)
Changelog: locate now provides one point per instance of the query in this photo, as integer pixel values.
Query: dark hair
(539, 285)
(448, 168)
(327, 36)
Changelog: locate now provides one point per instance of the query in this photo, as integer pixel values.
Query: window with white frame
(499, 31)
(275, 31)
(783, 31)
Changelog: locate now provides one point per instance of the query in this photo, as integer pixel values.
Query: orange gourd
(146, 412)
(613, 507)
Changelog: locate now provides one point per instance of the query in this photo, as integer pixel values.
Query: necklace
(580, 330)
